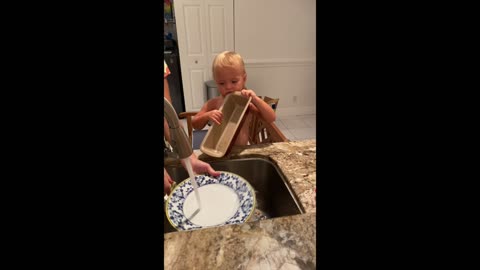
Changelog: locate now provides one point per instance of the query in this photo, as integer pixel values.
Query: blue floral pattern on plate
(245, 192)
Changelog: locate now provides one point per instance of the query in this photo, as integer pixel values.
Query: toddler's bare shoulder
(215, 103)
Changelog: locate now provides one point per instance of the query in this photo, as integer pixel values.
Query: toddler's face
(230, 79)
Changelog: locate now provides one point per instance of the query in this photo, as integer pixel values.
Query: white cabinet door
(204, 29)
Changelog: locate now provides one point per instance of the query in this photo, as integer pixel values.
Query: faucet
(179, 139)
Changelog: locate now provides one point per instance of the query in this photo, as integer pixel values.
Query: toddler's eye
(234, 81)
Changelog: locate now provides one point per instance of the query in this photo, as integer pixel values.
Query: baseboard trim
(292, 111)
(279, 62)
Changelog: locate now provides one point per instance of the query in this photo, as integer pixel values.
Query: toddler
(230, 76)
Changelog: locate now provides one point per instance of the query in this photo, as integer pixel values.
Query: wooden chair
(188, 116)
(260, 132)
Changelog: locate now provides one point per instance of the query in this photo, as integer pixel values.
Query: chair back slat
(260, 132)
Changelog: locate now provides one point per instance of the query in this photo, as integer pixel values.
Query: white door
(204, 29)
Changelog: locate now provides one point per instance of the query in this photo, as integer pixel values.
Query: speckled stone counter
(277, 243)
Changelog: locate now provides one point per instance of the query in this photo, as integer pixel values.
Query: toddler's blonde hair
(227, 59)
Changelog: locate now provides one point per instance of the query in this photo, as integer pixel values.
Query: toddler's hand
(216, 116)
(248, 93)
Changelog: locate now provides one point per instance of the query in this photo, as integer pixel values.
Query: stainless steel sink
(273, 193)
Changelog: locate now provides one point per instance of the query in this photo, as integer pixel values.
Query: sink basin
(273, 193)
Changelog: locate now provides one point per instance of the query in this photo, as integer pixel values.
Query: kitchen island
(277, 243)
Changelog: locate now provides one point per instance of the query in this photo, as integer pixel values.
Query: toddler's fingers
(217, 121)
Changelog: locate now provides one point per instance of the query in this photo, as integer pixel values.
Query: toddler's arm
(261, 107)
(206, 113)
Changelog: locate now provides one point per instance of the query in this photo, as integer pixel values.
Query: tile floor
(298, 127)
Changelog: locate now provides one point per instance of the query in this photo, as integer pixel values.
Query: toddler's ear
(245, 77)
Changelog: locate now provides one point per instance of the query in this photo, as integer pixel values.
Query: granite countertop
(277, 243)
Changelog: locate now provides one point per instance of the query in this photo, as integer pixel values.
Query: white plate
(226, 199)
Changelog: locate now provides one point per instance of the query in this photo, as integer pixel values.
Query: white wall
(277, 41)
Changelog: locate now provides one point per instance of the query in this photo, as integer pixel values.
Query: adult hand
(199, 166)
(167, 182)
